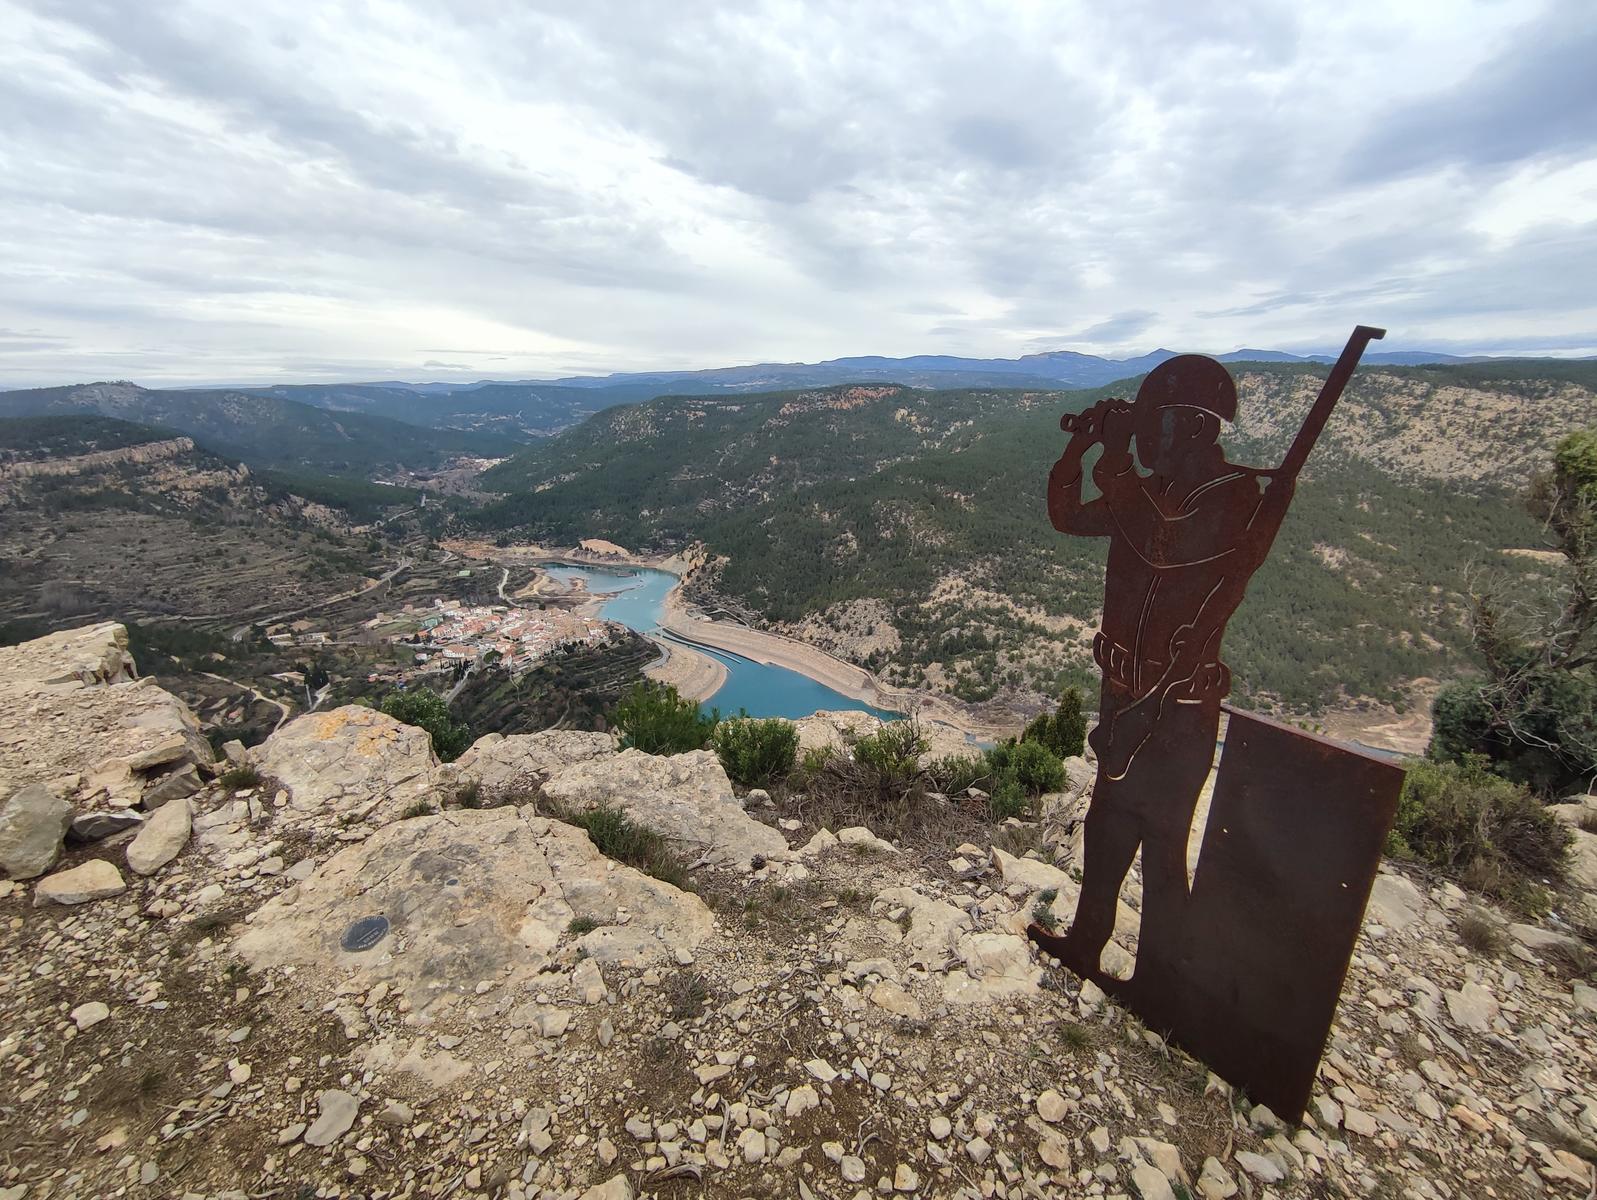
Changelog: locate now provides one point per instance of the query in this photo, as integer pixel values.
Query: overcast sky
(269, 191)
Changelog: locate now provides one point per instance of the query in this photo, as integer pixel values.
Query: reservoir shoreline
(695, 676)
(699, 676)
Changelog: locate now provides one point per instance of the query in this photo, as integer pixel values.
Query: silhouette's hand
(1114, 425)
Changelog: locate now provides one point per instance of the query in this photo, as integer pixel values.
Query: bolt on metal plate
(365, 933)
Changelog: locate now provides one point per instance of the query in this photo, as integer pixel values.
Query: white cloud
(220, 192)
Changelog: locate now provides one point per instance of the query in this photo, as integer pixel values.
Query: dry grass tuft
(1481, 934)
(686, 995)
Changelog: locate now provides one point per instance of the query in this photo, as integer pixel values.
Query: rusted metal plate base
(1249, 978)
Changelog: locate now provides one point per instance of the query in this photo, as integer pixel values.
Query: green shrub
(1037, 768)
(240, 777)
(1535, 716)
(619, 837)
(1008, 799)
(1015, 773)
(954, 773)
(1544, 736)
(893, 751)
(1001, 758)
(1070, 726)
(1490, 834)
(654, 718)
(426, 709)
(878, 784)
(1460, 721)
(756, 752)
(1042, 912)
(815, 760)
(1063, 731)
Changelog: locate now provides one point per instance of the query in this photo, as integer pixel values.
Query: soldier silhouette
(1186, 531)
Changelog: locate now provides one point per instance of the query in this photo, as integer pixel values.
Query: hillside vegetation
(263, 430)
(184, 534)
(525, 410)
(28, 439)
(519, 412)
(906, 529)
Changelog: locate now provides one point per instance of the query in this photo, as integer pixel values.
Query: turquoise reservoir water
(635, 600)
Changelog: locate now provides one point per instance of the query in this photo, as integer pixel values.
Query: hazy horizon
(423, 379)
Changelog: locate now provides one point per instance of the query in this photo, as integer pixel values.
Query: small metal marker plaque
(365, 933)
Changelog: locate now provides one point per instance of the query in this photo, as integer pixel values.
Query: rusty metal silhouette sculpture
(1241, 963)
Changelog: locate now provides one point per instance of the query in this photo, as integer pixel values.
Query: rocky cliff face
(350, 970)
(89, 731)
(80, 464)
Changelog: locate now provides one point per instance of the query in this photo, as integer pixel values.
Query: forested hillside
(24, 439)
(514, 413)
(263, 430)
(1473, 423)
(906, 528)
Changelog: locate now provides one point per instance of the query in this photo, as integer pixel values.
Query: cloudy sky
(208, 192)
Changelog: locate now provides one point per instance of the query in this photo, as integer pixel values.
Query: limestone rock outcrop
(33, 824)
(1395, 902)
(470, 897)
(686, 798)
(95, 826)
(834, 730)
(501, 763)
(1583, 859)
(837, 731)
(91, 656)
(934, 926)
(476, 1001)
(350, 760)
(997, 966)
(95, 734)
(82, 464)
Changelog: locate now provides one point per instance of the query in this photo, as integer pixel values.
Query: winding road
(282, 709)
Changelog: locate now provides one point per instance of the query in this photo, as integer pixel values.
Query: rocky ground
(337, 968)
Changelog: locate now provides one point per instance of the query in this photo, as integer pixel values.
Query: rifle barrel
(1314, 423)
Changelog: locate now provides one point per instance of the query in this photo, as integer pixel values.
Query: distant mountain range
(1052, 369)
(493, 417)
(529, 409)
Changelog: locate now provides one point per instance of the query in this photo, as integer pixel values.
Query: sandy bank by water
(695, 676)
(845, 678)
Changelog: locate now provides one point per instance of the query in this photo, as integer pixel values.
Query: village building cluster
(452, 632)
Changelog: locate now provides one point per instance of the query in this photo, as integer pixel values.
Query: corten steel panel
(1249, 982)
